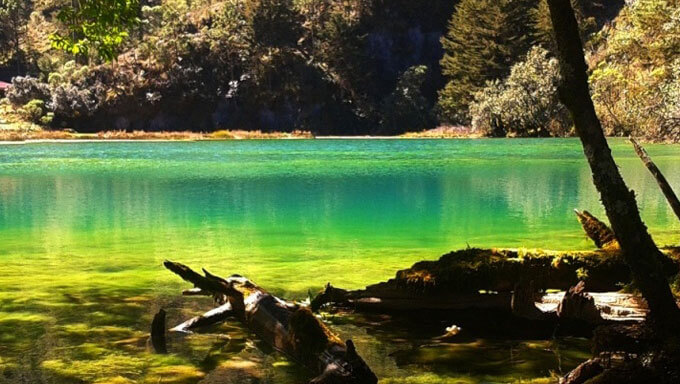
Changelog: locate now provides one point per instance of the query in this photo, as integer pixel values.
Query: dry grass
(23, 132)
(22, 135)
(146, 135)
(444, 132)
(249, 135)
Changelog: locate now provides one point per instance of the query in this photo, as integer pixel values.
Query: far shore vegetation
(351, 68)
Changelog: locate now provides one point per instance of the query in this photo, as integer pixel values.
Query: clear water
(84, 228)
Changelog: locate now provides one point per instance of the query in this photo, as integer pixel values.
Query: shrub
(47, 119)
(33, 111)
(25, 89)
(72, 102)
(525, 103)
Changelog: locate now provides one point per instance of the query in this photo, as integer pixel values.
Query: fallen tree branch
(288, 327)
(598, 231)
(213, 316)
(666, 188)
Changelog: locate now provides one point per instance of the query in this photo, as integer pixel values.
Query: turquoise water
(84, 228)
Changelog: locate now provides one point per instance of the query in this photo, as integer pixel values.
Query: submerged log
(666, 188)
(287, 326)
(598, 231)
(158, 332)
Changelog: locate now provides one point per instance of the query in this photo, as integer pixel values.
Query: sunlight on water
(84, 228)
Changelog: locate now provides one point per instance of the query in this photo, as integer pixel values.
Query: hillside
(342, 68)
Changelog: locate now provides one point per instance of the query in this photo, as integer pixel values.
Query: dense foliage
(334, 67)
(525, 103)
(636, 71)
(95, 25)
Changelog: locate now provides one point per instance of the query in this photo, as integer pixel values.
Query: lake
(84, 228)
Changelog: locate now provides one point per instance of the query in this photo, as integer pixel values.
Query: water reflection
(84, 229)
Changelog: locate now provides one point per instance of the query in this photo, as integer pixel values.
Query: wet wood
(584, 372)
(666, 188)
(158, 332)
(598, 231)
(288, 327)
(212, 317)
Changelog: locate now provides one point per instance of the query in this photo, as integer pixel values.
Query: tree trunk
(660, 179)
(640, 252)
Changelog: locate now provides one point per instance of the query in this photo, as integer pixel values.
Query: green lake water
(84, 228)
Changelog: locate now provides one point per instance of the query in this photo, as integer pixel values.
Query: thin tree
(639, 250)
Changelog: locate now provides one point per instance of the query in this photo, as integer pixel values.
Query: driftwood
(290, 328)
(667, 190)
(599, 232)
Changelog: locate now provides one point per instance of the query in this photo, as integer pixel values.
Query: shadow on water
(100, 336)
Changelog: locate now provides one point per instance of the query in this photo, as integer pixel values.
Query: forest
(350, 67)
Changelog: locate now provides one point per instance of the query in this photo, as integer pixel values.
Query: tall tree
(13, 16)
(484, 38)
(96, 25)
(544, 33)
(639, 250)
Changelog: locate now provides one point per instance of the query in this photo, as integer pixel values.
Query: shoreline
(102, 140)
(12, 136)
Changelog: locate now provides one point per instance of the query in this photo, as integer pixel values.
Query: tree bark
(639, 250)
(671, 197)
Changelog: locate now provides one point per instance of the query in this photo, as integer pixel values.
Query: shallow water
(84, 228)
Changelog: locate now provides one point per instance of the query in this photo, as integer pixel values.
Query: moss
(429, 378)
(19, 317)
(471, 270)
(177, 374)
(113, 364)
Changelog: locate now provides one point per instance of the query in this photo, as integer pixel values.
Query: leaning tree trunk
(666, 188)
(640, 252)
